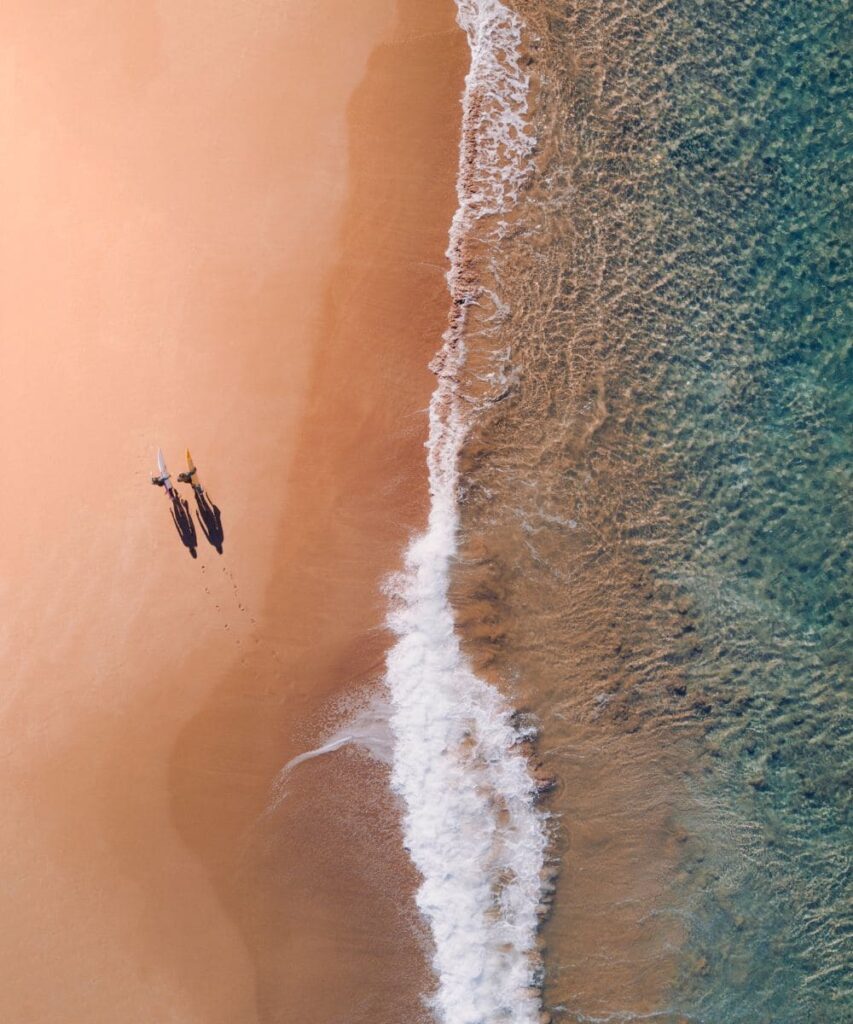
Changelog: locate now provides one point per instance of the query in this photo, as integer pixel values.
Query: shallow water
(469, 818)
(655, 501)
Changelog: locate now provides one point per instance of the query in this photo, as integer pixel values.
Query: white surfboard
(164, 474)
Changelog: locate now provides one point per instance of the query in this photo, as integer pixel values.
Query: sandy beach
(224, 228)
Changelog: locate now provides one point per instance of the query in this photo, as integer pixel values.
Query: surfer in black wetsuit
(189, 478)
(165, 481)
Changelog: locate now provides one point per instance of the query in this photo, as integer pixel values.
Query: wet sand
(223, 228)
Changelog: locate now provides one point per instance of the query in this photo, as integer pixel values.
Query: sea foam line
(470, 820)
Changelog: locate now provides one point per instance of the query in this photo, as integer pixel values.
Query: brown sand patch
(323, 889)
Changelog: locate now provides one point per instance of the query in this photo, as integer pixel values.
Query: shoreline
(459, 758)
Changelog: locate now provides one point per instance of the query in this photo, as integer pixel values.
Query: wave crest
(470, 819)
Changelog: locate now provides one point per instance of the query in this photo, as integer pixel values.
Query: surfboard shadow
(210, 521)
(184, 525)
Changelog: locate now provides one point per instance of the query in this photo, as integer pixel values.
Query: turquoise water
(758, 414)
(673, 442)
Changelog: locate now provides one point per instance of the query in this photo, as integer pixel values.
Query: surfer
(191, 476)
(163, 481)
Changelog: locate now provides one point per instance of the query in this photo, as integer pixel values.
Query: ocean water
(651, 557)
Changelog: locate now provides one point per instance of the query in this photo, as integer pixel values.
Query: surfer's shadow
(209, 517)
(182, 519)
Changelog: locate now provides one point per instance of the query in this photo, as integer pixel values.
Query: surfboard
(193, 472)
(164, 473)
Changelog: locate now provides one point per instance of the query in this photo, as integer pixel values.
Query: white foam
(365, 725)
(470, 820)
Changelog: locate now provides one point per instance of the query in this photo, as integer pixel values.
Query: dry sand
(224, 226)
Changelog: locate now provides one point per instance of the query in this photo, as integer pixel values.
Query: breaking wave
(470, 817)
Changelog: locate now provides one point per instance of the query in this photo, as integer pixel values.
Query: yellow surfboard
(193, 472)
